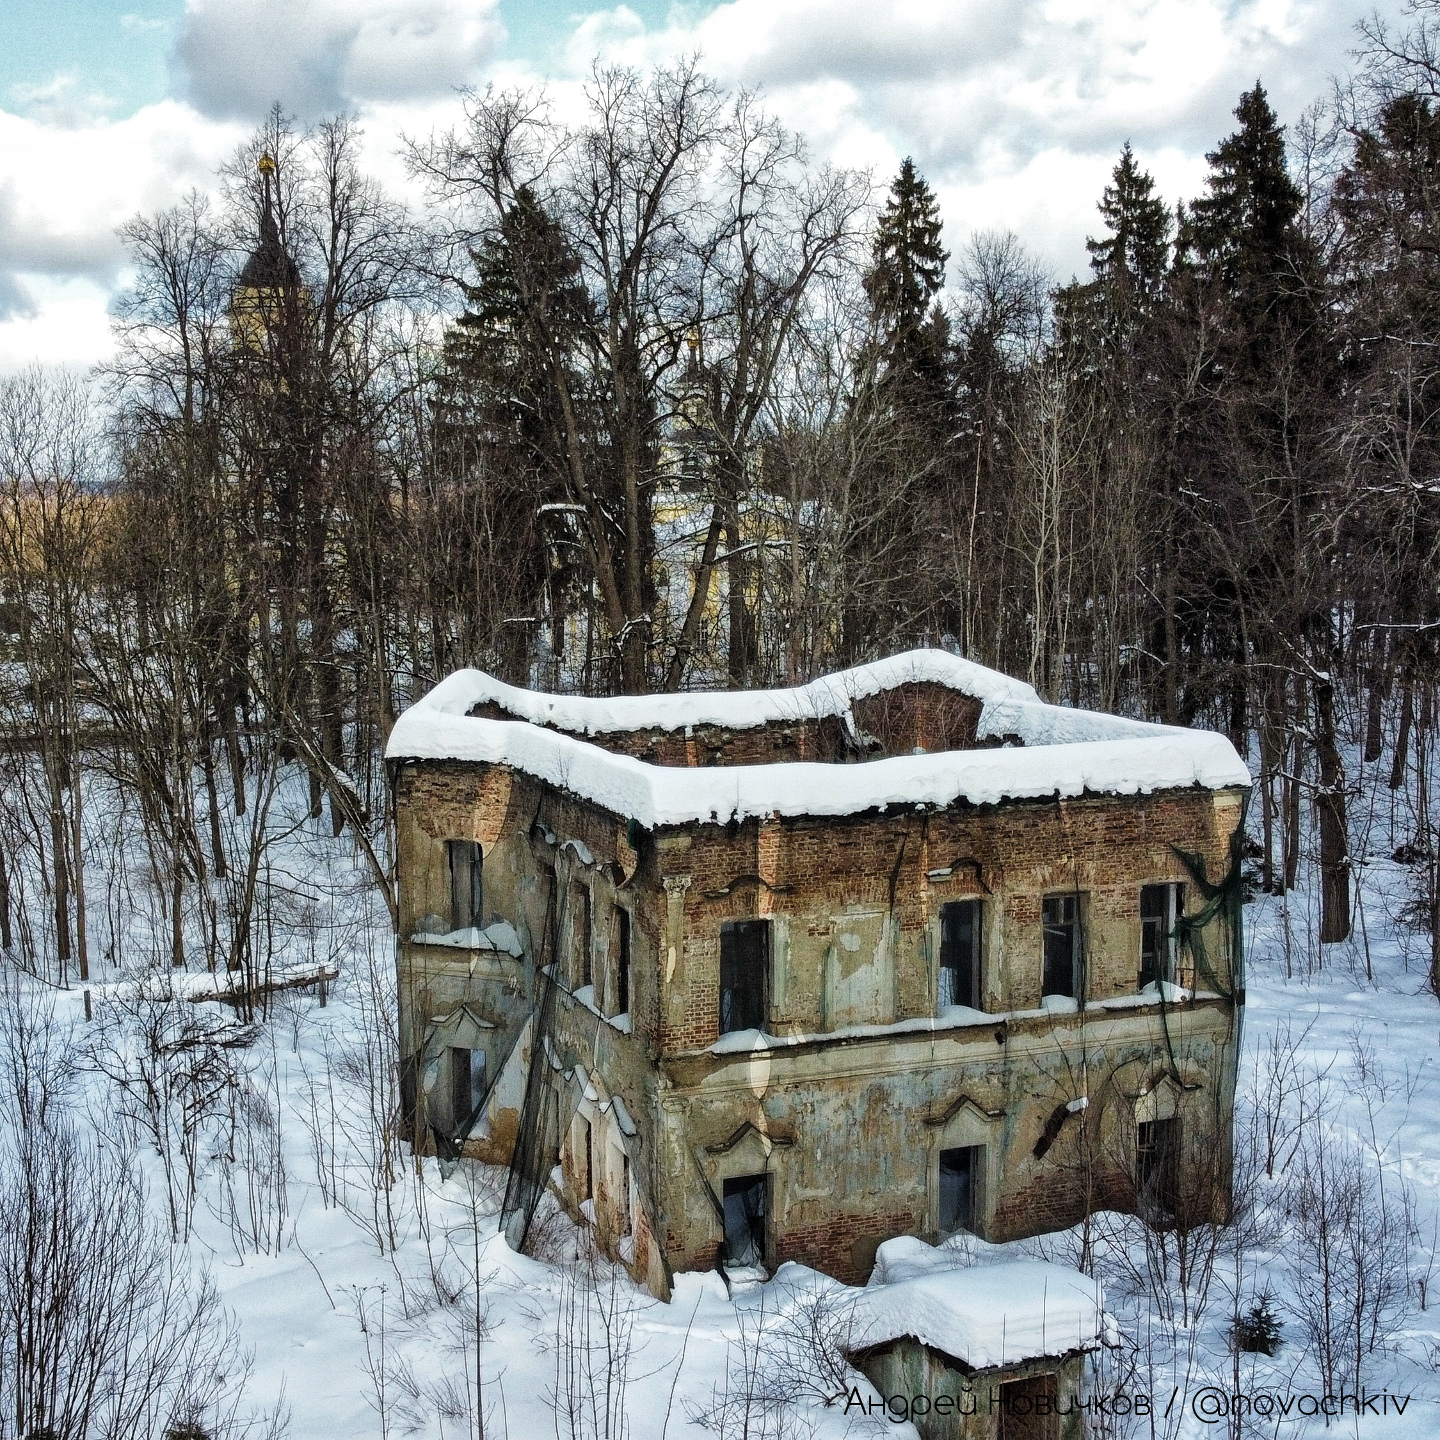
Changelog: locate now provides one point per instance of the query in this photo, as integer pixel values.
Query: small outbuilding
(980, 1351)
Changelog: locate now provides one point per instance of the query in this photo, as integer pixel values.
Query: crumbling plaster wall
(539, 849)
(855, 905)
(852, 1130)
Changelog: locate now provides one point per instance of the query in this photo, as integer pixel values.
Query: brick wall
(823, 874)
(920, 714)
(924, 714)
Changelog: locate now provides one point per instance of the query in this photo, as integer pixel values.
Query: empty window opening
(627, 1222)
(744, 975)
(1160, 907)
(1060, 918)
(582, 934)
(746, 1201)
(588, 1179)
(466, 884)
(1029, 1409)
(960, 1173)
(622, 961)
(467, 1086)
(960, 954)
(1157, 1166)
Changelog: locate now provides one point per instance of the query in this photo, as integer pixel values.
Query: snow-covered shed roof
(1062, 751)
(983, 1314)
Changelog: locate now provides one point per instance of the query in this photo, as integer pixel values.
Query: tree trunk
(1374, 731)
(1402, 738)
(741, 655)
(7, 939)
(1267, 798)
(59, 849)
(212, 800)
(1331, 817)
(1292, 792)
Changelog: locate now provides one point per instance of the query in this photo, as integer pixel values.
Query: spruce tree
(1133, 255)
(1244, 229)
(909, 263)
(500, 423)
(914, 359)
(1129, 268)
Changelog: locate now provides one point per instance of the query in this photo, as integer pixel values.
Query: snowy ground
(358, 1300)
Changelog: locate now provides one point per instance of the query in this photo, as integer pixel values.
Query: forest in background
(644, 399)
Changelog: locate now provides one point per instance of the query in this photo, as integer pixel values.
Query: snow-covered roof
(995, 1314)
(739, 709)
(1062, 751)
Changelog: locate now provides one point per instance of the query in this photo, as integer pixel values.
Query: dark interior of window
(745, 1200)
(589, 1161)
(622, 961)
(467, 1084)
(1060, 917)
(744, 975)
(1160, 907)
(960, 954)
(627, 1224)
(466, 884)
(960, 1171)
(1157, 1165)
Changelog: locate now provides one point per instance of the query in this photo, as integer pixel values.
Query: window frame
(974, 961)
(758, 1007)
(1173, 910)
(975, 1192)
(588, 1191)
(1074, 924)
(582, 934)
(1158, 1165)
(621, 1000)
(473, 869)
(461, 1111)
(730, 1189)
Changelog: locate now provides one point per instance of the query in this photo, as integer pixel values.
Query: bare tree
(107, 1333)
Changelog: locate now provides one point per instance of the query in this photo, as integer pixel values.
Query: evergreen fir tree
(1128, 264)
(1134, 253)
(499, 420)
(914, 356)
(1244, 228)
(909, 263)
(1258, 1333)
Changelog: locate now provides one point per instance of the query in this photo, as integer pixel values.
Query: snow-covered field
(370, 1293)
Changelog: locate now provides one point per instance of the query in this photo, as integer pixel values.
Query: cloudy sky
(1014, 109)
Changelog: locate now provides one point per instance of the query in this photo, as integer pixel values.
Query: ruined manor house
(740, 978)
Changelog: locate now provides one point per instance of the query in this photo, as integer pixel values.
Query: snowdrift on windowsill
(499, 936)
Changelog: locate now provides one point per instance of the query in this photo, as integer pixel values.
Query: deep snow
(349, 1336)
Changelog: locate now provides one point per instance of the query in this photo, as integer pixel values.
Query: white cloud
(67, 325)
(234, 58)
(1015, 110)
(63, 191)
(60, 101)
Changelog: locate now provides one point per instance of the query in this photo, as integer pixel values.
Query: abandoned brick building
(749, 977)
